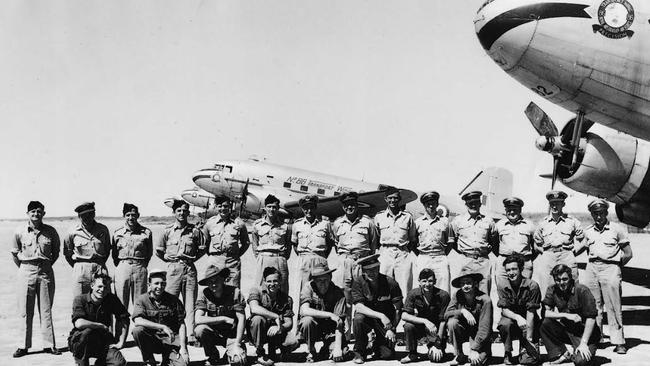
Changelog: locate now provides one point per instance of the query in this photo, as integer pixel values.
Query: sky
(122, 101)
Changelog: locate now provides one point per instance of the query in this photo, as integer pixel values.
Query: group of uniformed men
(376, 275)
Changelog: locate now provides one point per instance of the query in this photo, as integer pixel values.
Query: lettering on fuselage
(297, 182)
(615, 18)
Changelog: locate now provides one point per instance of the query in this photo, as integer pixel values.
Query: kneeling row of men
(428, 312)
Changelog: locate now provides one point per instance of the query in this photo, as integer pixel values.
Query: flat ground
(636, 306)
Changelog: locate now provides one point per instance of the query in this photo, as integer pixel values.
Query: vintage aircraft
(248, 182)
(589, 57)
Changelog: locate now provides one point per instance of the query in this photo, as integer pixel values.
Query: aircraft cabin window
(218, 167)
(286, 185)
(337, 193)
(320, 191)
(304, 188)
(227, 169)
(269, 176)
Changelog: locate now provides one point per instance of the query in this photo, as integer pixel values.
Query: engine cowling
(615, 167)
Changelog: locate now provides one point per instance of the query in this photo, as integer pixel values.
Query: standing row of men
(446, 248)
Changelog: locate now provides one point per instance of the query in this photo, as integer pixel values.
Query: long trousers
(509, 331)
(36, 285)
(460, 332)
(500, 272)
(87, 343)
(234, 265)
(396, 263)
(130, 280)
(149, 343)
(459, 263)
(362, 325)
(306, 262)
(213, 335)
(414, 332)
(556, 335)
(257, 327)
(82, 276)
(604, 281)
(181, 280)
(277, 261)
(315, 329)
(440, 266)
(544, 264)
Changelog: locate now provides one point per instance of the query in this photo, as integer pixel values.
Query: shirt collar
(224, 219)
(477, 218)
(389, 213)
(520, 220)
(563, 217)
(605, 227)
(426, 217)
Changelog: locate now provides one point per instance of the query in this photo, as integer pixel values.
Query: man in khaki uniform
(609, 249)
(554, 239)
(312, 239)
(35, 248)
(515, 236)
(180, 245)
(432, 248)
(227, 240)
(472, 236)
(397, 237)
(271, 240)
(132, 250)
(86, 248)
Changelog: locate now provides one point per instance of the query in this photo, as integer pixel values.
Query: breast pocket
(83, 246)
(188, 245)
(45, 246)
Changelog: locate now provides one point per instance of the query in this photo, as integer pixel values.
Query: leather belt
(556, 249)
(604, 261)
(270, 254)
(473, 255)
(527, 257)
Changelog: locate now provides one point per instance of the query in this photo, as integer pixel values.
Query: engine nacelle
(615, 167)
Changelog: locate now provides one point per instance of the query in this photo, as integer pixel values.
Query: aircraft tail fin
(496, 184)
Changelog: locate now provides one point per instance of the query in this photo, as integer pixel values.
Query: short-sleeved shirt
(432, 235)
(333, 301)
(606, 244)
(223, 236)
(270, 236)
(84, 308)
(551, 234)
(395, 229)
(84, 243)
(527, 298)
(358, 237)
(386, 298)
(577, 300)
(515, 237)
(30, 243)
(281, 305)
(312, 237)
(472, 235)
(169, 311)
(431, 306)
(183, 241)
(229, 303)
(136, 243)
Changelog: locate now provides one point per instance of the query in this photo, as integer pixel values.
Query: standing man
(219, 316)
(432, 247)
(322, 306)
(397, 238)
(609, 250)
(92, 315)
(356, 237)
(469, 317)
(227, 240)
(180, 245)
(35, 248)
(271, 240)
(312, 239)
(472, 236)
(159, 327)
(515, 236)
(132, 250)
(519, 299)
(378, 301)
(424, 316)
(86, 248)
(271, 318)
(554, 239)
(570, 316)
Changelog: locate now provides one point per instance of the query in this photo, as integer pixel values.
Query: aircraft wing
(369, 203)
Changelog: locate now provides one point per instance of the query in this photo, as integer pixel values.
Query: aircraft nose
(505, 29)
(202, 176)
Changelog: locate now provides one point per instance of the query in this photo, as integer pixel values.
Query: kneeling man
(424, 316)
(219, 315)
(378, 301)
(91, 318)
(271, 317)
(570, 316)
(159, 324)
(519, 299)
(469, 316)
(322, 307)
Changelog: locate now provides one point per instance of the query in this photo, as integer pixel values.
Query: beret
(85, 207)
(270, 199)
(128, 207)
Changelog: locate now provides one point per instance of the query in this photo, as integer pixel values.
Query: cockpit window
(223, 168)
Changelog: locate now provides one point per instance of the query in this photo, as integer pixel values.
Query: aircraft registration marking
(317, 184)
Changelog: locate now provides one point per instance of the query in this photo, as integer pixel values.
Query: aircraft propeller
(244, 196)
(563, 146)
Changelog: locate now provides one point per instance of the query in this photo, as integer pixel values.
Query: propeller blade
(540, 120)
(244, 196)
(556, 162)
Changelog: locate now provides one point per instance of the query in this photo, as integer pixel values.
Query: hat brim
(477, 277)
(225, 272)
(86, 211)
(314, 275)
